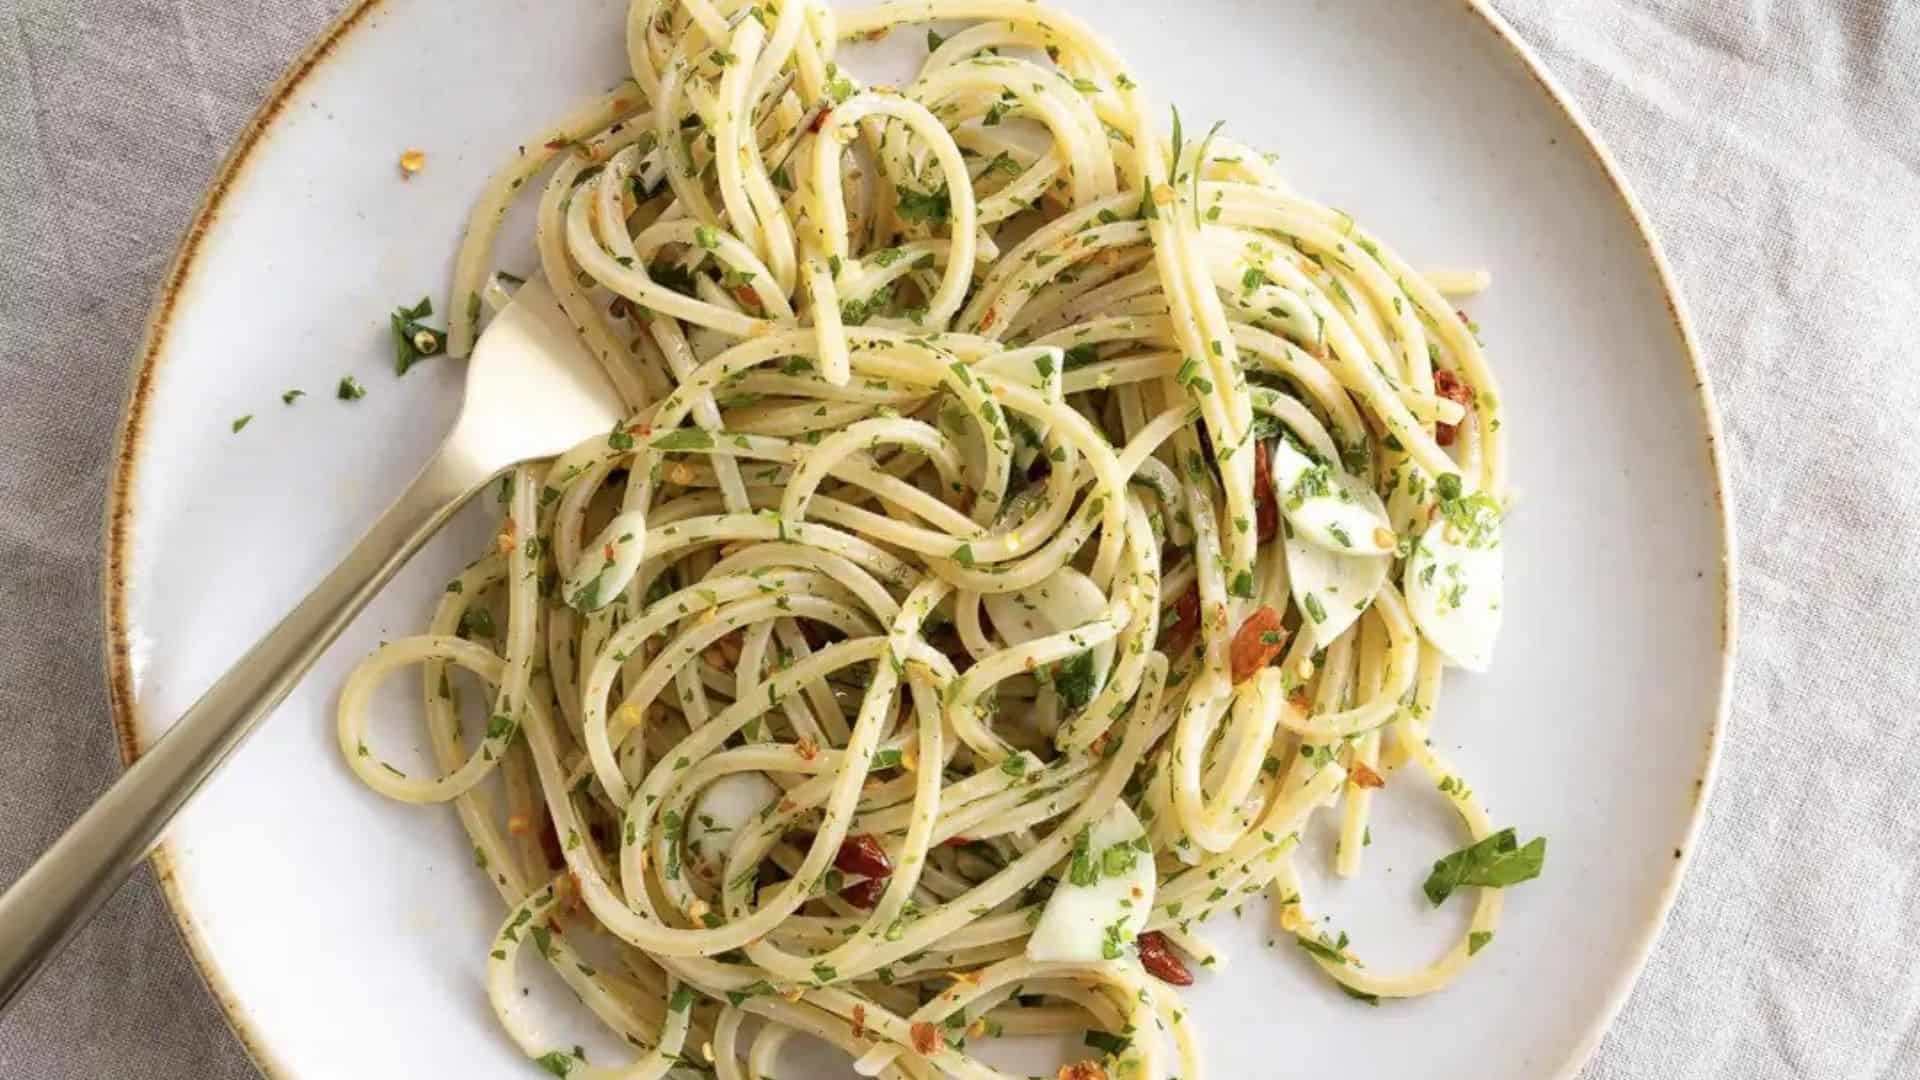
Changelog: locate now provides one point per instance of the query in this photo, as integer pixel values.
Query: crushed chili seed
(1259, 640)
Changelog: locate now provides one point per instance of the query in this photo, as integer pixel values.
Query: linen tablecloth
(1773, 141)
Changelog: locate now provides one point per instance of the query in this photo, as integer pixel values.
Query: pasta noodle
(1004, 474)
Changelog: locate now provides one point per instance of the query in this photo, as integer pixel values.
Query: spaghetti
(1026, 522)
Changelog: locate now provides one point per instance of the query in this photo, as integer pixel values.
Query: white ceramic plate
(345, 934)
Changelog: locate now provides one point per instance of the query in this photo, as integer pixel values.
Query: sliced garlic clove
(1331, 589)
(1454, 581)
(1329, 508)
(1104, 894)
(722, 811)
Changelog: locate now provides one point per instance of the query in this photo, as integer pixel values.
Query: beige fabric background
(1774, 142)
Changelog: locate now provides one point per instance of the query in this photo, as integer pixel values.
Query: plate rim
(117, 521)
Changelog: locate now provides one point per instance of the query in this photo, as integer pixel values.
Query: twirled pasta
(994, 463)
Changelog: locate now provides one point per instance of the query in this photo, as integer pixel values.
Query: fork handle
(63, 889)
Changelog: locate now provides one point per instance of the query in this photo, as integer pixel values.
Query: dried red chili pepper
(1259, 640)
(1158, 957)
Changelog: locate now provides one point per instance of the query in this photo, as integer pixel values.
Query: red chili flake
(1299, 698)
(1161, 962)
(808, 750)
(746, 296)
(1449, 386)
(608, 552)
(819, 120)
(1258, 641)
(863, 855)
(1082, 1070)
(1266, 509)
(859, 1021)
(986, 321)
(926, 1037)
(1361, 775)
(955, 841)
(864, 894)
(556, 144)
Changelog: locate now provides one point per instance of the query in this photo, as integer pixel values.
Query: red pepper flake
(808, 749)
(1449, 386)
(1082, 1070)
(556, 144)
(1161, 962)
(987, 320)
(1256, 644)
(1266, 509)
(608, 552)
(859, 1021)
(746, 296)
(863, 855)
(865, 895)
(1363, 776)
(955, 841)
(819, 120)
(926, 1037)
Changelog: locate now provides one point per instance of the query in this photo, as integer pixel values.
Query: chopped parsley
(414, 340)
(928, 206)
(1493, 863)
